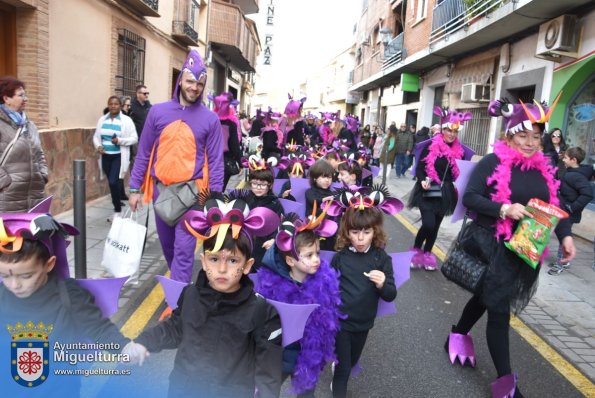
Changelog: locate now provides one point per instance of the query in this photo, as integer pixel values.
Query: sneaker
(558, 269)
(553, 264)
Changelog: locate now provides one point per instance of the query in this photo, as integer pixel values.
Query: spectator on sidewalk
(554, 147)
(377, 144)
(435, 129)
(187, 137)
(139, 109)
(404, 146)
(422, 135)
(575, 195)
(24, 171)
(389, 149)
(114, 135)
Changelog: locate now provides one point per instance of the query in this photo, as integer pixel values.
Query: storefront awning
(477, 72)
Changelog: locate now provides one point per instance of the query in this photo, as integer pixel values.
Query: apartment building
(73, 54)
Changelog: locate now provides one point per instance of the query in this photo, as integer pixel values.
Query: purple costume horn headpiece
(519, 117)
(293, 108)
(292, 225)
(451, 118)
(379, 197)
(230, 211)
(14, 227)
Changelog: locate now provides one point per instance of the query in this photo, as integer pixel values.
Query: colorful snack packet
(533, 234)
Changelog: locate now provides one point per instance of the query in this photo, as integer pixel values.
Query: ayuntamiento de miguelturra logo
(30, 353)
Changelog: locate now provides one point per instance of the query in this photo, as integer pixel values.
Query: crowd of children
(226, 328)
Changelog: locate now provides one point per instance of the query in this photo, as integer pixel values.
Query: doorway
(8, 40)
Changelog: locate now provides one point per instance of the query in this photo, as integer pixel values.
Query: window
(131, 62)
(422, 6)
(410, 97)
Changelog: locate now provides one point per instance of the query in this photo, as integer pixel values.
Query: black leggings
(496, 332)
(111, 167)
(430, 224)
(349, 347)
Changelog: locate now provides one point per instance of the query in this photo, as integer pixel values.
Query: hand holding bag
(463, 268)
(124, 245)
(435, 190)
(175, 200)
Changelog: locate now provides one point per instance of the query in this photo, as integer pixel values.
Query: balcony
(144, 8)
(233, 36)
(184, 34)
(394, 51)
(247, 6)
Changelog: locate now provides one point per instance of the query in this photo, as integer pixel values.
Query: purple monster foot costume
(505, 387)
(461, 346)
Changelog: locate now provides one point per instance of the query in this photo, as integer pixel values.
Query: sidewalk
(562, 312)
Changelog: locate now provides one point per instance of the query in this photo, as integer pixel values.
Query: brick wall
(61, 148)
(417, 31)
(33, 59)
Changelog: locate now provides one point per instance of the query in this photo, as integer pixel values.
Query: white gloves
(136, 352)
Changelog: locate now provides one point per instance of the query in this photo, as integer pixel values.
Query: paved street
(404, 355)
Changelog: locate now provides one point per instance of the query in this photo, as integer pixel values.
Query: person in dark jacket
(232, 152)
(228, 340)
(139, 108)
(321, 177)
(296, 134)
(260, 182)
(575, 195)
(311, 130)
(365, 275)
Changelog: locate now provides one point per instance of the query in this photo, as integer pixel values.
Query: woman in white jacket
(114, 135)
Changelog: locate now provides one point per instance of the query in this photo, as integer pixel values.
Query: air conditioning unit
(557, 37)
(474, 92)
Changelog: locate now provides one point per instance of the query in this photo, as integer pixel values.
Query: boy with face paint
(294, 273)
(228, 340)
(181, 141)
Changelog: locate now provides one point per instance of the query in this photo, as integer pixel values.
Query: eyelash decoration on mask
(292, 225)
(222, 212)
(254, 163)
(378, 197)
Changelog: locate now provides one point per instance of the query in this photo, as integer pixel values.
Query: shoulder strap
(11, 145)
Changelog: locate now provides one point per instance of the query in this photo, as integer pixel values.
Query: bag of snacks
(533, 234)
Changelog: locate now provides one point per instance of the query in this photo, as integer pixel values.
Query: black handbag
(435, 190)
(231, 167)
(462, 268)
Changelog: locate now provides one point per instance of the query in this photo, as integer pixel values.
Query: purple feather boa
(318, 343)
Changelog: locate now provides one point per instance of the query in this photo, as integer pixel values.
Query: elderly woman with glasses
(554, 147)
(23, 168)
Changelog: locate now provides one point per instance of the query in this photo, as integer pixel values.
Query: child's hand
(376, 277)
(267, 245)
(137, 353)
(286, 193)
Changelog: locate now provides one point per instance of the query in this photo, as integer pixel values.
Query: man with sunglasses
(139, 107)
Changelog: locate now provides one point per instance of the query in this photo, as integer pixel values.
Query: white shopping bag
(124, 246)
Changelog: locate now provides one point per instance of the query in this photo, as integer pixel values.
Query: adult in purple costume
(184, 112)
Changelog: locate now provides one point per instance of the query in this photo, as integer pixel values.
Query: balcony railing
(452, 15)
(184, 33)
(393, 51)
(231, 35)
(146, 8)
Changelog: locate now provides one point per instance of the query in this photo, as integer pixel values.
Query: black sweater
(359, 296)
(523, 185)
(316, 194)
(226, 343)
(271, 202)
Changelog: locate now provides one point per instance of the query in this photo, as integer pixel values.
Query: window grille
(131, 62)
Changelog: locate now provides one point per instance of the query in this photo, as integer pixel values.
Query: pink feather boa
(318, 342)
(500, 178)
(439, 148)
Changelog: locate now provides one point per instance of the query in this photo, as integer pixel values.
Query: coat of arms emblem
(30, 353)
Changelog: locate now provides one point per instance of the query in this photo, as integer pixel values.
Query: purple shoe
(461, 346)
(429, 261)
(505, 386)
(417, 261)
